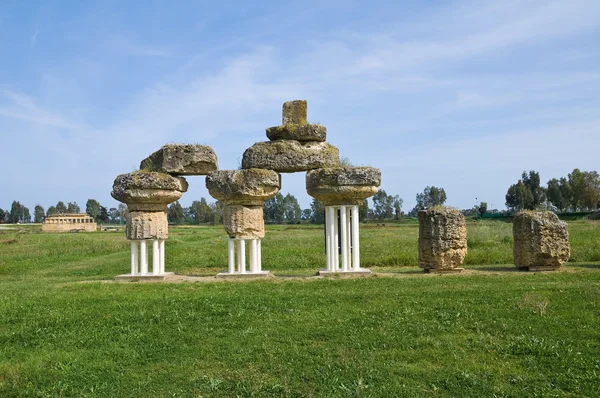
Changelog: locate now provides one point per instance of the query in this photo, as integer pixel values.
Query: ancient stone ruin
(442, 240)
(147, 193)
(71, 222)
(293, 146)
(541, 241)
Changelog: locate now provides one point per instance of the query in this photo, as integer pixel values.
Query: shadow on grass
(497, 268)
(591, 266)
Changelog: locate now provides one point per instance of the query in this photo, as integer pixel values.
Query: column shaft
(143, 257)
(328, 239)
(343, 238)
(335, 240)
(242, 256)
(134, 257)
(259, 254)
(355, 240)
(155, 257)
(349, 236)
(253, 257)
(161, 249)
(230, 256)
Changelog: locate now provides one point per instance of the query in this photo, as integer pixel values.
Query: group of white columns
(139, 258)
(342, 230)
(237, 263)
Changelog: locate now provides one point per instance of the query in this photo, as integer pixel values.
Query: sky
(463, 95)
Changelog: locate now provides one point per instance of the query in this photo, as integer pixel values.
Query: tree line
(578, 191)
(19, 213)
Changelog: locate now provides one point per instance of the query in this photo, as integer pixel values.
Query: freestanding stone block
(250, 187)
(541, 240)
(147, 225)
(343, 185)
(244, 222)
(298, 132)
(294, 112)
(182, 159)
(148, 190)
(286, 156)
(442, 239)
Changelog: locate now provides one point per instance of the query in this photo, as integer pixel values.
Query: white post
(155, 257)
(328, 239)
(344, 238)
(349, 236)
(259, 254)
(335, 240)
(242, 256)
(134, 257)
(231, 256)
(355, 240)
(253, 258)
(143, 258)
(161, 250)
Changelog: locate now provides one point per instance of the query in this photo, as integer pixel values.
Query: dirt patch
(8, 241)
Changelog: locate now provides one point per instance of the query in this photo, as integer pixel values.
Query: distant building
(69, 222)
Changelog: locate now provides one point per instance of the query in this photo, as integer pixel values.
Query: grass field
(65, 330)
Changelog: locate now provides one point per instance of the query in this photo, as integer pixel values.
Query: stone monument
(442, 240)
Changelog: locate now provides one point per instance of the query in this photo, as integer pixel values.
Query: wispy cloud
(35, 34)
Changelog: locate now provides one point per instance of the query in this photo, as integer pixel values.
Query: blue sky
(463, 95)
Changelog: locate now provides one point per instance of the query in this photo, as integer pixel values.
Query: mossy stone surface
(288, 156)
(182, 159)
(298, 132)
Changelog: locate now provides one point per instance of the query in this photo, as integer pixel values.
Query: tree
(123, 212)
(397, 205)
(113, 214)
(585, 186)
(2, 218)
(292, 210)
(51, 210)
(363, 210)
(274, 209)
(92, 208)
(306, 213)
(519, 197)
(103, 217)
(175, 213)
(19, 213)
(532, 182)
(483, 208)
(383, 205)
(318, 212)
(201, 212)
(432, 196)
(38, 214)
(73, 207)
(61, 208)
(559, 193)
(217, 212)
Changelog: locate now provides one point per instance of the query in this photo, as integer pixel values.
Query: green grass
(64, 332)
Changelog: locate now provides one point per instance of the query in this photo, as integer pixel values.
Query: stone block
(244, 222)
(540, 240)
(287, 156)
(244, 187)
(343, 185)
(295, 112)
(442, 239)
(298, 132)
(147, 225)
(182, 159)
(148, 190)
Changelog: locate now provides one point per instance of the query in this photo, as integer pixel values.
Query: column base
(248, 275)
(443, 271)
(149, 277)
(361, 271)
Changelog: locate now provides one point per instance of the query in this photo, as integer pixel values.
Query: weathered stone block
(343, 185)
(541, 240)
(245, 222)
(294, 112)
(147, 225)
(298, 132)
(243, 187)
(286, 156)
(442, 239)
(182, 159)
(148, 190)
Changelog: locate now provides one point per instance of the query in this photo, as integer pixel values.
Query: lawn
(67, 330)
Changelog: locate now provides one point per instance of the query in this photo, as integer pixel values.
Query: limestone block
(182, 159)
(148, 190)
(244, 222)
(286, 156)
(343, 185)
(442, 239)
(294, 112)
(298, 132)
(243, 187)
(541, 240)
(147, 225)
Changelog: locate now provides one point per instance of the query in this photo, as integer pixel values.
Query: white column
(344, 238)
(242, 256)
(161, 249)
(355, 240)
(134, 257)
(143, 258)
(328, 238)
(335, 240)
(349, 236)
(155, 257)
(231, 256)
(259, 254)
(253, 257)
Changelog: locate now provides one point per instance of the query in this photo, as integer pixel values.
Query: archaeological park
(541, 240)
